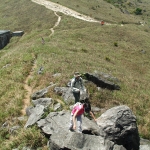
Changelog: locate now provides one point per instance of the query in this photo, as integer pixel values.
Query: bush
(116, 44)
(138, 11)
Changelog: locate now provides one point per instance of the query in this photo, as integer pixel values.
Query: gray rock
(77, 141)
(18, 33)
(56, 120)
(103, 80)
(57, 75)
(57, 106)
(144, 144)
(56, 125)
(39, 94)
(5, 125)
(46, 102)
(40, 71)
(29, 110)
(5, 36)
(21, 118)
(118, 124)
(35, 116)
(13, 130)
(95, 109)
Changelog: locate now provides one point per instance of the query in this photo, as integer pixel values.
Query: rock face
(60, 120)
(115, 129)
(39, 94)
(56, 125)
(77, 141)
(118, 124)
(18, 33)
(5, 36)
(35, 115)
(144, 144)
(46, 102)
(102, 80)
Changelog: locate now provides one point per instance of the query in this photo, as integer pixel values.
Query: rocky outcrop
(76, 141)
(103, 80)
(46, 102)
(36, 114)
(17, 33)
(41, 93)
(144, 144)
(5, 36)
(56, 125)
(118, 124)
(115, 129)
(60, 120)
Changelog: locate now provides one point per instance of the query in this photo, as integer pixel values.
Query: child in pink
(77, 112)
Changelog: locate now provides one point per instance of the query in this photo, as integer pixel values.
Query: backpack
(76, 81)
(77, 104)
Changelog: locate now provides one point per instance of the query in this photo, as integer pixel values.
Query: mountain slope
(76, 45)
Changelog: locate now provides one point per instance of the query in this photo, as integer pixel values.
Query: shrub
(138, 11)
(116, 44)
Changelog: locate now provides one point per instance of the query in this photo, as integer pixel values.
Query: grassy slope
(75, 45)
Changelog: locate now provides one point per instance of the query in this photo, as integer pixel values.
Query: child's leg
(79, 122)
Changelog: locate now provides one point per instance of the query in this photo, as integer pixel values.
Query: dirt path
(28, 88)
(59, 8)
(56, 24)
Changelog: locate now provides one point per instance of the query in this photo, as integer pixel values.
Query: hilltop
(120, 49)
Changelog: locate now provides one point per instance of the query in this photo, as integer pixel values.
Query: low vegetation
(119, 50)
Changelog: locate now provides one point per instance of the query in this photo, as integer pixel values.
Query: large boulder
(63, 140)
(36, 115)
(5, 36)
(56, 120)
(102, 80)
(56, 125)
(39, 94)
(118, 124)
(144, 144)
(46, 102)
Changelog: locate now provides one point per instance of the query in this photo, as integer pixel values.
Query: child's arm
(91, 113)
(74, 121)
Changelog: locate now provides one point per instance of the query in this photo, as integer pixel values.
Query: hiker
(43, 41)
(76, 113)
(102, 22)
(77, 86)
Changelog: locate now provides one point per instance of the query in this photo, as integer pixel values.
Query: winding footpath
(56, 24)
(28, 88)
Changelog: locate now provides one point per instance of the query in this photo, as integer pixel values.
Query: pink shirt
(80, 109)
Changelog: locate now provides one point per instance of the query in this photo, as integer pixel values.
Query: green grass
(75, 46)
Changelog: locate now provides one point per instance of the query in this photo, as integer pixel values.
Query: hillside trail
(28, 88)
(56, 24)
